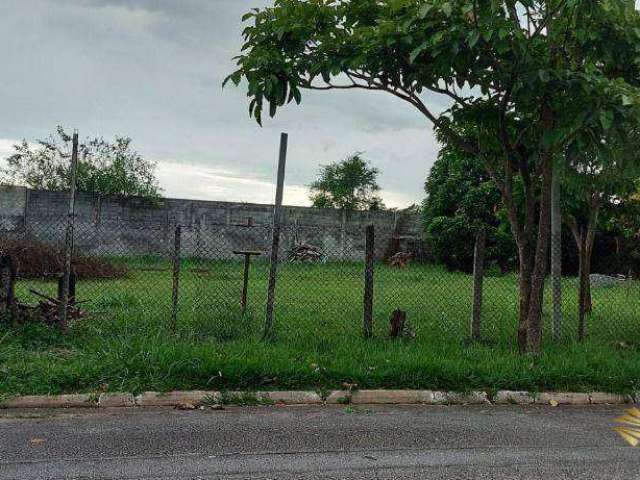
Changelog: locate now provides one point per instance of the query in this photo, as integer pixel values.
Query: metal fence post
(68, 253)
(556, 255)
(478, 278)
(275, 237)
(368, 281)
(176, 277)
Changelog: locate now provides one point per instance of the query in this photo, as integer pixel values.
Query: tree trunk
(583, 281)
(478, 277)
(584, 237)
(588, 304)
(534, 316)
(524, 287)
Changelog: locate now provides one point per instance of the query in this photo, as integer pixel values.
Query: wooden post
(275, 237)
(176, 277)
(478, 278)
(556, 255)
(245, 278)
(64, 294)
(8, 308)
(368, 281)
(245, 283)
(72, 288)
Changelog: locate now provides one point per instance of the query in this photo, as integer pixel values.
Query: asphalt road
(317, 442)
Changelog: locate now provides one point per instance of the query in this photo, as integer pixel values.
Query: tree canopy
(105, 168)
(530, 77)
(349, 185)
(461, 200)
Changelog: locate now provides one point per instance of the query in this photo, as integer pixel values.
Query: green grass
(125, 342)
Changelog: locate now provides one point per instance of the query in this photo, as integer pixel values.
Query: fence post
(556, 255)
(68, 247)
(478, 278)
(176, 277)
(275, 238)
(7, 289)
(368, 281)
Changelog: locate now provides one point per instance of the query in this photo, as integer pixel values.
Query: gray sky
(152, 70)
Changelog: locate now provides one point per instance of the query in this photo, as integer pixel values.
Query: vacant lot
(125, 342)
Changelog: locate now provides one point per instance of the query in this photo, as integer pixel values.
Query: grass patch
(125, 344)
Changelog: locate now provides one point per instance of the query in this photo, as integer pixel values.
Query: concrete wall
(134, 226)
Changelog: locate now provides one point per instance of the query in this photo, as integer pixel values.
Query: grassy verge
(125, 344)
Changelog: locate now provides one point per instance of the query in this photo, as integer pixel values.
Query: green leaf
(447, 9)
(473, 38)
(606, 119)
(297, 96)
(417, 51)
(424, 10)
(627, 100)
(543, 75)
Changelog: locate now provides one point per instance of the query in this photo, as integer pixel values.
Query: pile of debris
(47, 310)
(400, 259)
(35, 259)
(307, 253)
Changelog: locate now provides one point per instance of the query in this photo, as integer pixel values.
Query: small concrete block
(292, 397)
(455, 398)
(175, 398)
(338, 397)
(392, 397)
(562, 398)
(513, 397)
(599, 398)
(52, 401)
(110, 400)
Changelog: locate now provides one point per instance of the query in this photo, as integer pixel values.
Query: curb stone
(513, 397)
(392, 397)
(291, 397)
(175, 398)
(111, 400)
(456, 398)
(601, 398)
(562, 398)
(53, 401)
(336, 397)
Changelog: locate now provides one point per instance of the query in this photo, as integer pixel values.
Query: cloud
(152, 70)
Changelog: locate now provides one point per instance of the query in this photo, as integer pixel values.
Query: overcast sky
(152, 70)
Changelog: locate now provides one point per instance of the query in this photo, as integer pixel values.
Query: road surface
(412, 442)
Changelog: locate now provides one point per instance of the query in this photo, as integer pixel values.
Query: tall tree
(105, 168)
(532, 76)
(349, 185)
(595, 183)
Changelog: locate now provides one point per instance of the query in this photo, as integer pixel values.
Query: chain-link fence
(211, 283)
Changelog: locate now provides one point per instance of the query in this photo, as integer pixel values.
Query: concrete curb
(203, 398)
